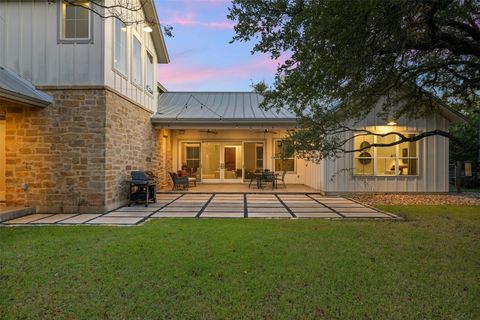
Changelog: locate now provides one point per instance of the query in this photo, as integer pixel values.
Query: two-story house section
(100, 75)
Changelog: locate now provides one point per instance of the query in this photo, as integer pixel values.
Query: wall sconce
(147, 28)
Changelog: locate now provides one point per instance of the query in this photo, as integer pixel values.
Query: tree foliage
(344, 57)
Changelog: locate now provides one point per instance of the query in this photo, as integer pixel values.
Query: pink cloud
(192, 76)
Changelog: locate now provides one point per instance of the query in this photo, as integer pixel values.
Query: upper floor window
(395, 160)
(283, 161)
(149, 73)
(75, 20)
(120, 48)
(136, 61)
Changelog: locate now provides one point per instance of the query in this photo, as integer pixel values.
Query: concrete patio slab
(222, 214)
(174, 215)
(78, 219)
(213, 205)
(115, 220)
(27, 219)
(330, 214)
(53, 218)
(128, 214)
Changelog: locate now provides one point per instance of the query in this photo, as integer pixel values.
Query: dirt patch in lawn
(417, 199)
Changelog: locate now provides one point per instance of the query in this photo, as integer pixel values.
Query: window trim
(61, 39)
(277, 158)
(397, 160)
(116, 70)
(148, 52)
(138, 85)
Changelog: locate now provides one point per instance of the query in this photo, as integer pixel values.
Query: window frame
(397, 158)
(62, 39)
(147, 52)
(114, 68)
(132, 64)
(275, 158)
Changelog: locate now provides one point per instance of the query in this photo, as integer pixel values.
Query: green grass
(426, 267)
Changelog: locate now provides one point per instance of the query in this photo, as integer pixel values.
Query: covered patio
(242, 188)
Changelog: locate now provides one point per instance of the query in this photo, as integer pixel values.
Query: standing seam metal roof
(215, 106)
(14, 87)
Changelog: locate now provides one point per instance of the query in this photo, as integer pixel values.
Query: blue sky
(202, 59)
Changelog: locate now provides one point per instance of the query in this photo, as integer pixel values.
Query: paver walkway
(218, 205)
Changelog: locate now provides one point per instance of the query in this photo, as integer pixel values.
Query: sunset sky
(201, 57)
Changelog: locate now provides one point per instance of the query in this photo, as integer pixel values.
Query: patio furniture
(143, 188)
(179, 182)
(252, 176)
(281, 178)
(192, 177)
(268, 177)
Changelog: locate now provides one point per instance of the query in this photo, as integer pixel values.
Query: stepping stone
(363, 209)
(27, 219)
(115, 220)
(305, 205)
(221, 214)
(269, 214)
(137, 209)
(174, 215)
(365, 215)
(127, 214)
(54, 218)
(345, 205)
(81, 218)
(180, 209)
(315, 209)
(316, 214)
(224, 209)
(256, 209)
(267, 205)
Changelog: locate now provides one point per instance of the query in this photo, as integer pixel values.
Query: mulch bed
(417, 199)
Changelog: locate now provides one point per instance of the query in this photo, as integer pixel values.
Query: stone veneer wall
(131, 144)
(76, 153)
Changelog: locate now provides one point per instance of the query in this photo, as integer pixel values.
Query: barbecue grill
(143, 188)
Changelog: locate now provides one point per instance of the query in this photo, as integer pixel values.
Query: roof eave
(150, 12)
(16, 97)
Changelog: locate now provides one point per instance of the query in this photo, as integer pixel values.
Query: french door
(222, 162)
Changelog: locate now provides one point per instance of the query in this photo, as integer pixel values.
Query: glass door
(211, 159)
(232, 162)
(222, 162)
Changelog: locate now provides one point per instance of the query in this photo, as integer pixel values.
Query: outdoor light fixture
(147, 28)
(391, 123)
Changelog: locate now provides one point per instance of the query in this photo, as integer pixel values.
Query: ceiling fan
(265, 131)
(209, 131)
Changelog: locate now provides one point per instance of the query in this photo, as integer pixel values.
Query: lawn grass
(426, 267)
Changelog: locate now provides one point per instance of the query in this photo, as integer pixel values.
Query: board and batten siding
(122, 83)
(29, 46)
(432, 162)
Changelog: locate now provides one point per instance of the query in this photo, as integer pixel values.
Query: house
(75, 153)
(80, 109)
(225, 135)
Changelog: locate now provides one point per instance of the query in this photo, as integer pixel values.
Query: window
(120, 47)
(136, 61)
(149, 73)
(75, 20)
(397, 160)
(287, 163)
(259, 156)
(191, 157)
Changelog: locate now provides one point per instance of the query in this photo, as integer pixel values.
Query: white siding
(123, 84)
(433, 163)
(29, 46)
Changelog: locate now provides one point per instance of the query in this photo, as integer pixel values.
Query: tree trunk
(458, 176)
